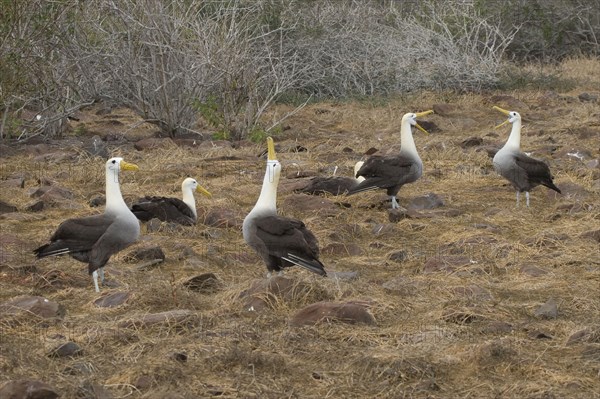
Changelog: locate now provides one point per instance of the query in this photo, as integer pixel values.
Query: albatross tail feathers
(47, 250)
(313, 265)
(360, 188)
(550, 184)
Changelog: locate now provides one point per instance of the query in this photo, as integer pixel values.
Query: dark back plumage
(164, 208)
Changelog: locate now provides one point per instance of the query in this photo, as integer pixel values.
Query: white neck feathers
(189, 200)
(114, 199)
(407, 143)
(514, 140)
(268, 193)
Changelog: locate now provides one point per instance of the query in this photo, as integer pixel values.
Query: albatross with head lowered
(182, 211)
(522, 171)
(391, 172)
(94, 239)
(281, 242)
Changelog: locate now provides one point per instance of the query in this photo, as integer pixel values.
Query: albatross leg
(527, 198)
(101, 275)
(518, 196)
(395, 204)
(95, 277)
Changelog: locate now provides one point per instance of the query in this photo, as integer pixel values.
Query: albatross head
(411, 118)
(117, 164)
(513, 116)
(192, 185)
(273, 165)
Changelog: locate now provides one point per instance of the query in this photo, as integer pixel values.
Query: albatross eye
(114, 161)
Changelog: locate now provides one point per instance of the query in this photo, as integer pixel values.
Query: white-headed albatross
(94, 239)
(335, 185)
(521, 170)
(281, 242)
(391, 172)
(171, 209)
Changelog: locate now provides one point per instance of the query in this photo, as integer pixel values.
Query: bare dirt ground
(474, 299)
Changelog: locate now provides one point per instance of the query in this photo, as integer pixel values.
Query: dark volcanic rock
(549, 310)
(98, 201)
(27, 389)
(36, 206)
(396, 215)
(428, 201)
(532, 270)
(587, 97)
(97, 148)
(90, 390)
(447, 263)
(222, 217)
(508, 102)
(265, 293)
(308, 204)
(6, 207)
(32, 305)
(472, 141)
(52, 193)
(206, 283)
(171, 317)
(398, 256)
(113, 299)
(66, 349)
(341, 249)
(591, 235)
(444, 109)
(347, 312)
(147, 253)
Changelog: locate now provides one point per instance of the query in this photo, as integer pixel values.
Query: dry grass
(469, 333)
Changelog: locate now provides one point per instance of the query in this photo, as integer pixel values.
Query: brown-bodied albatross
(335, 185)
(171, 209)
(522, 171)
(93, 239)
(281, 242)
(391, 172)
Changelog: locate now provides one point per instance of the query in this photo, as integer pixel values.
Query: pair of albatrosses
(94, 239)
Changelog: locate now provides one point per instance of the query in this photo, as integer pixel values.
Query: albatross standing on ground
(521, 170)
(94, 239)
(281, 242)
(393, 171)
(171, 209)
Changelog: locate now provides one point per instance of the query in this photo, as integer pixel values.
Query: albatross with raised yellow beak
(94, 239)
(281, 242)
(391, 172)
(522, 171)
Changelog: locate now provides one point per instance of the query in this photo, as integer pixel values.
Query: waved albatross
(171, 209)
(334, 185)
(281, 242)
(391, 172)
(93, 239)
(521, 170)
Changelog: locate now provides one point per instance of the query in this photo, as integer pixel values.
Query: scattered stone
(428, 201)
(34, 305)
(508, 102)
(384, 229)
(145, 253)
(473, 291)
(171, 317)
(143, 382)
(48, 192)
(532, 270)
(5, 207)
(341, 249)
(149, 265)
(206, 283)
(90, 390)
(587, 97)
(113, 299)
(591, 335)
(546, 240)
(66, 349)
(430, 126)
(538, 334)
(447, 263)
(444, 109)
(400, 286)
(472, 141)
(309, 204)
(498, 327)
(180, 357)
(591, 353)
(98, 201)
(396, 215)
(18, 182)
(549, 310)
(347, 312)
(266, 293)
(347, 276)
(591, 235)
(27, 389)
(398, 256)
(36, 206)
(80, 368)
(222, 217)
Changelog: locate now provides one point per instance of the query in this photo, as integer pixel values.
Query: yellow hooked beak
(128, 166)
(203, 191)
(505, 112)
(271, 149)
(420, 114)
